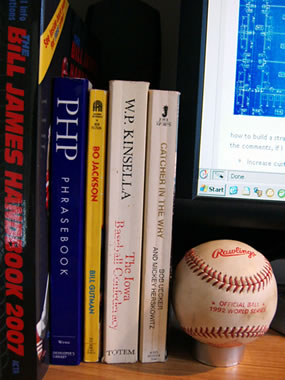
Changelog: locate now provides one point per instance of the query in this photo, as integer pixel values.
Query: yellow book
(96, 147)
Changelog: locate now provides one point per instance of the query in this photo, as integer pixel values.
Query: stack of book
(87, 188)
(116, 222)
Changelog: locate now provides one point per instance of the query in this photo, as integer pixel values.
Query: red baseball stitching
(252, 283)
(242, 332)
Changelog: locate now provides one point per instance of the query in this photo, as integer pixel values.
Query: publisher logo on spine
(97, 106)
(163, 121)
(165, 111)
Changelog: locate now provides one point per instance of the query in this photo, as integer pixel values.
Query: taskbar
(213, 182)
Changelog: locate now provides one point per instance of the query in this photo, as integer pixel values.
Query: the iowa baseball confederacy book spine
(94, 242)
(123, 219)
(68, 175)
(37, 42)
(158, 210)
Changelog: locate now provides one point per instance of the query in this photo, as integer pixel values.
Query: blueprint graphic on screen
(260, 66)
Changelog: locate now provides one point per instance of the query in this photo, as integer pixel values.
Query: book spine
(158, 210)
(96, 151)
(68, 174)
(19, 282)
(124, 213)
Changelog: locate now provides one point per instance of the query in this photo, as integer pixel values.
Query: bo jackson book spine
(94, 228)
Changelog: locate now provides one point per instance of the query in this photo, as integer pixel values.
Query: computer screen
(231, 139)
(242, 141)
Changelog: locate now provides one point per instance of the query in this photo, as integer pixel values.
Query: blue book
(68, 171)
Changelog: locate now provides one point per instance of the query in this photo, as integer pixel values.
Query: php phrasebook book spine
(68, 175)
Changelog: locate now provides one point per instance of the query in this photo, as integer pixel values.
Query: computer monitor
(231, 146)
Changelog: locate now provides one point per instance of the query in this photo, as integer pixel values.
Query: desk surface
(264, 359)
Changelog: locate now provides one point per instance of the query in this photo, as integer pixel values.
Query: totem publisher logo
(121, 351)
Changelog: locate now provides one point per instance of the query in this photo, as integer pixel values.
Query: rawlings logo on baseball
(253, 283)
(232, 252)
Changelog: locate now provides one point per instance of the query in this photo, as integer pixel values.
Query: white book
(158, 215)
(124, 219)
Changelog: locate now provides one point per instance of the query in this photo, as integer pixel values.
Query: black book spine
(19, 60)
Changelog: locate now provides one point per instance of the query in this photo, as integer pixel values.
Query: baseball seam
(235, 332)
(254, 283)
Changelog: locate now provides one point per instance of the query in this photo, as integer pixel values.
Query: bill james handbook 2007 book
(123, 221)
(158, 209)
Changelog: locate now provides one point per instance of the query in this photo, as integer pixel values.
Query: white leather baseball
(224, 293)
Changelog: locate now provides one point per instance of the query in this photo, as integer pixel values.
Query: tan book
(158, 210)
(124, 219)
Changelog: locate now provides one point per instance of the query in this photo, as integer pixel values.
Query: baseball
(224, 293)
